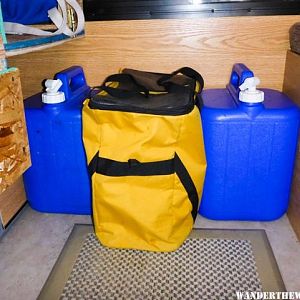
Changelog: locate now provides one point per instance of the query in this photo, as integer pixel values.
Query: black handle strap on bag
(136, 89)
(187, 71)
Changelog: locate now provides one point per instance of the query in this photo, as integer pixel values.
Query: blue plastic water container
(250, 152)
(58, 180)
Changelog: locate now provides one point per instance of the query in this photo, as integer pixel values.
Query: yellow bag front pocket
(134, 203)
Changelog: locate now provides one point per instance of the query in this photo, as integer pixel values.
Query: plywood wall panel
(210, 45)
(14, 149)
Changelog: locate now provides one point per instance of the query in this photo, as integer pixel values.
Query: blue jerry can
(58, 180)
(250, 151)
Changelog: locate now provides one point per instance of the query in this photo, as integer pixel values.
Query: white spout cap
(52, 95)
(249, 93)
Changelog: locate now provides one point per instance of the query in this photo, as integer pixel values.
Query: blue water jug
(250, 150)
(58, 180)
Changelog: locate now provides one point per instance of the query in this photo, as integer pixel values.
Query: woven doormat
(204, 268)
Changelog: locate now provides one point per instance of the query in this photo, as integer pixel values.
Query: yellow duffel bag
(143, 139)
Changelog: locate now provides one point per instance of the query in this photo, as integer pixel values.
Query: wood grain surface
(291, 86)
(210, 45)
(11, 201)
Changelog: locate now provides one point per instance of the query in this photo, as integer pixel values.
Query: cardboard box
(291, 86)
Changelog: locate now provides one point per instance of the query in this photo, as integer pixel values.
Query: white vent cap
(52, 95)
(249, 93)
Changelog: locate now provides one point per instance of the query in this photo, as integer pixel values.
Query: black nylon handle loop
(187, 71)
(120, 93)
(137, 88)
(126, 78)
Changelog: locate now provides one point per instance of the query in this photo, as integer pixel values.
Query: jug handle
(238, 75)
(74, 82)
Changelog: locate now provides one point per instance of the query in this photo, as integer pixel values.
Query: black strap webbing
(127, 79)
(187, 71)
(134, 88)
(133, 167)
(188, 184)
(120, 93)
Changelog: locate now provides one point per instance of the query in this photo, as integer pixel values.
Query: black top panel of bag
(163, 9)
(175, 97)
